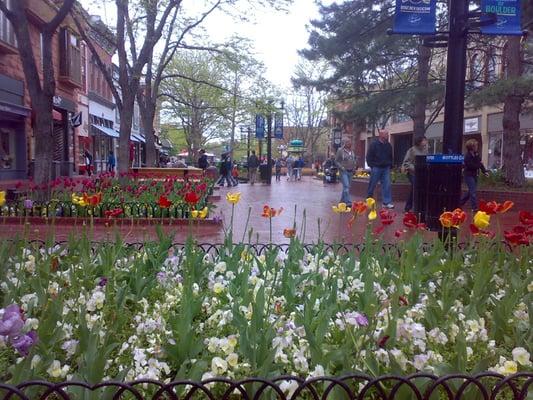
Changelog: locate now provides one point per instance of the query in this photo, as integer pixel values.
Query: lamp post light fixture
(337, 137)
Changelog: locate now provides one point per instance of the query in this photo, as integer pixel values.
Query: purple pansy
(12, 322)
(23, 343)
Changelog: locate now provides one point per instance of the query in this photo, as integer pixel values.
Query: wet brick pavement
(309, 196)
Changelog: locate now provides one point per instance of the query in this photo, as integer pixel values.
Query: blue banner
(507, 14)
(278, 126)
(259, 126)
(415, 17)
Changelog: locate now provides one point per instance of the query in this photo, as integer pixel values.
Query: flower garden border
(421, 386)
(121, 221)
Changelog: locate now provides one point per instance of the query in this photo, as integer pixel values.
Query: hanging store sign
(415, 17)
(507, 17)
(259, 127)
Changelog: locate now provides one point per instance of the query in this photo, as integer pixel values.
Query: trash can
(437, 186)
(263, 172)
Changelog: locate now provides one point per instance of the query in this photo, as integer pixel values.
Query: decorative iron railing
(261, 248)
(421, 386)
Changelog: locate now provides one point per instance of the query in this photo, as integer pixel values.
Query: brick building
(15, 105)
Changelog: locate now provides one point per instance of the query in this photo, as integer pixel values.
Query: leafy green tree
(377, 73)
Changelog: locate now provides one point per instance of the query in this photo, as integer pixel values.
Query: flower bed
(96, 312)
(131, 196)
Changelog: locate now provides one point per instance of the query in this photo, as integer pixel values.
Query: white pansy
(218, 366)
(521, 356)
(55, 370)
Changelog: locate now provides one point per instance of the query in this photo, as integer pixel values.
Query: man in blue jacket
(379, 159)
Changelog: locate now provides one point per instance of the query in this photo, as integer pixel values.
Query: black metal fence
(484, 386)
(261, 248)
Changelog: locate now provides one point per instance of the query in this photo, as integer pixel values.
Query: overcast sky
(276, 36)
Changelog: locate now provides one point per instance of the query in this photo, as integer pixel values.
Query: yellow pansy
(233, 198)
(370, 202)
(372, 215)
(341, 208)
(2, 198)
(481, 220)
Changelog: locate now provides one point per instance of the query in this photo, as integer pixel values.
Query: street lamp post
(337, 136)
(248, 130)
(269, 142)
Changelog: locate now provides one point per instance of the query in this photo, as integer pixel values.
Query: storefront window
(495, 151)
(435, 146)
(7, 153)
(526, 144)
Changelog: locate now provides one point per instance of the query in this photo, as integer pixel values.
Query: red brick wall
(11, 65)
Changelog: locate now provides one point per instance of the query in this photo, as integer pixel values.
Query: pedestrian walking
(345, 162)
(88, 161)
(202, 160)
(253, 164)
(471, 168)
(223, 171)
(111, 162)
(290, 166)
(277, 167)
(379, 159)
(408, 166)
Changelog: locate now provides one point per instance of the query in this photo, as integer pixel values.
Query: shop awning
(107, 131)
(137, 138)
(15, 109)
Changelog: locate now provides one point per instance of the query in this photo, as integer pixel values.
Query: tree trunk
(126, 120)
(419, 115)
(44, 139)
(512, 161)
(148, 125)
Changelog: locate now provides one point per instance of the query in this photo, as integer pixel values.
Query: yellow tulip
(2, 198)
(481, 220)
(203, 212)
(233, 198)
(372, 215)
(370, 202)
(194, 213)
(341, 208)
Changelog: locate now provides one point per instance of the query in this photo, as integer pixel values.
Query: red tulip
(410, 220)
(387, 217)
(164, 202)
(191, 198)
(525, 217)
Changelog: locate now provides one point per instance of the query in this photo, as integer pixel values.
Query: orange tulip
(359, 207)
(269, 212)
(449, 219)
(505, 206)
(289, 233)
(92, 200)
